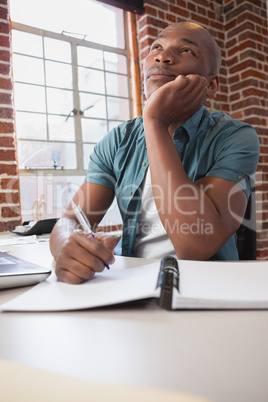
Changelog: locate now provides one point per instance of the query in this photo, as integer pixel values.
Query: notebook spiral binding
(168, 279)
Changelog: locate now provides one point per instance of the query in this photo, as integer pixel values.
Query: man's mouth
(160, 74)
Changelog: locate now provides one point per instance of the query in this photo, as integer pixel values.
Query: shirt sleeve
(237, 155)
(100, 168)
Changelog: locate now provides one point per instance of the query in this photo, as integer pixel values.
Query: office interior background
(26, 174)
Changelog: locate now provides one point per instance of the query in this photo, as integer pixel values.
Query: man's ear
(213, 83)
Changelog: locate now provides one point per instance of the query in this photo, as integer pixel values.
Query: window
(71, 86)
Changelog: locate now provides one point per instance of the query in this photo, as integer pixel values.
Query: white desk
(219, 355)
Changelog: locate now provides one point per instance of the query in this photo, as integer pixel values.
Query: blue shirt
(209, 144)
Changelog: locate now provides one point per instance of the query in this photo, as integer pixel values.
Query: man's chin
(153, 86)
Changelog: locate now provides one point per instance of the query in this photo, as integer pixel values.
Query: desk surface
(218, 355)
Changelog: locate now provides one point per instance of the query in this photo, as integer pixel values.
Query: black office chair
(246, 234)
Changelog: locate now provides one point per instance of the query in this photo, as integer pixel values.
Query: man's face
(178, 50)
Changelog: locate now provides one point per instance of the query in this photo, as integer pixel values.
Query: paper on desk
(203, 285)
(110, 287)
(16, 240)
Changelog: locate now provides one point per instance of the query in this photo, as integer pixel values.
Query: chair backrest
(246, 234)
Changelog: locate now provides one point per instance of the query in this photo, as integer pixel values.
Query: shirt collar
(190, 126)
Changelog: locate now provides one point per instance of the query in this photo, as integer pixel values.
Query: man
(181, 174)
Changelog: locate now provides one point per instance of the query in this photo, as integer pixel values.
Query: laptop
(15, 272)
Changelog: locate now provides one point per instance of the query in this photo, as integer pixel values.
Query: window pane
(90, 80)
(29, 97)
(90, 57)
(45, 154)
(57, 50)
(87, 150)
(59, 101)
(98, 109)
(59, 129)
(28, 69)
(64, 16)
(57, 190)
(59, 75)
(113, 124)
(118, 109)
(30, 44)
(93, 130)
(63, 90)
(115, 62)
(116, 85)
(64, 190)
(31, 126)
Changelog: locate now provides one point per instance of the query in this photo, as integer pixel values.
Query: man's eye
(155, 46)
(188, 50)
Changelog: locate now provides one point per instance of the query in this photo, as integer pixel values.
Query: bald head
(183, 48)
(209, 43)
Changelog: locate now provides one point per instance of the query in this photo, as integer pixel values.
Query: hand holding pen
(84, 222)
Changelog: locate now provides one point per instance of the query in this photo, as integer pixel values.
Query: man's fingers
(77, 277)
(108, 240)
(83, 255)
(181, 81)
(96, 246)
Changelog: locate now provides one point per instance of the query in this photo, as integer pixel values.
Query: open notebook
(202, 285)
(15, 272)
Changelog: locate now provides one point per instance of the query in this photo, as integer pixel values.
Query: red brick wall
(240, 29)
(9, 184)
(247, 51)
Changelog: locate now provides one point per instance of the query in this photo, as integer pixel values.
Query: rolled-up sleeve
(236, 156)
(100, 168)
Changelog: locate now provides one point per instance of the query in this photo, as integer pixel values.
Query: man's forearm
(195, 215)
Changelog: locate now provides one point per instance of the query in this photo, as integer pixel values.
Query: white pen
(84, 222)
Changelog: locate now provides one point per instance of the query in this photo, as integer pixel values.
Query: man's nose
(165, 56)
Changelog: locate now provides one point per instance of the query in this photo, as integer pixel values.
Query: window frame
(75, 42)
